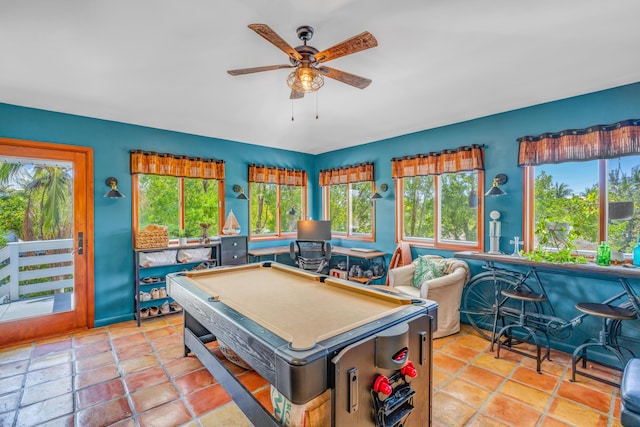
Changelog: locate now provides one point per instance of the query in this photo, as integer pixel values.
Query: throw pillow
(426, 269)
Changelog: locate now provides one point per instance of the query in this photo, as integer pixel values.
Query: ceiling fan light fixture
(305, 80)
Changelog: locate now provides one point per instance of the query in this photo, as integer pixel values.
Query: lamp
(376, 195)
(305, 79)
(238, 189)
(495, 190)
(113, 193)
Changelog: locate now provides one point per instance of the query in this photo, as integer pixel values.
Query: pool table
(306, 333)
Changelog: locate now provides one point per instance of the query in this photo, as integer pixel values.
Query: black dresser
(233, 250)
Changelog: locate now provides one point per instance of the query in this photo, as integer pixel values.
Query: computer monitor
(314, 230)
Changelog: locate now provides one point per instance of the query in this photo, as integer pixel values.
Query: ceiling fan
(308, 62)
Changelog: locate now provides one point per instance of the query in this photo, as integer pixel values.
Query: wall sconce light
(499, 179)
(473, 198)
(113, 193)
(376, 195)
(238, 189)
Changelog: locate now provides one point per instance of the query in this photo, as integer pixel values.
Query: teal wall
(498, 133)
(112, 142)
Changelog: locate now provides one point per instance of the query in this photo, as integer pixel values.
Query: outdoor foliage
(458, 221)
(36, 201)
(159, 203)
(418, 204)
(264, 208)
(290, 208)
(351, 209)
(338, 208)
(361, 208)
(13, 205)
(556, 203)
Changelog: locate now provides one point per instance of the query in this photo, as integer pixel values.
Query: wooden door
(46, 277)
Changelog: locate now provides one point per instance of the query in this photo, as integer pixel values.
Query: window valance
(153, 163)
(595, 142)
(436, 163)
(346, 174)
(275, 175)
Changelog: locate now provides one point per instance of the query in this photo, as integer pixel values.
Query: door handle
(80, 250)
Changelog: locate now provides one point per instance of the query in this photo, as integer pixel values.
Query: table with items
(370, 267)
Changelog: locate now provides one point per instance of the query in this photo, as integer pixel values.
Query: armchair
(446, 290)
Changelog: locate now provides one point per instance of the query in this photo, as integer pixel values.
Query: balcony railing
(32, 267)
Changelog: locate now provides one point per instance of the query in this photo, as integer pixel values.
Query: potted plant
(556, 243)
(182, 237)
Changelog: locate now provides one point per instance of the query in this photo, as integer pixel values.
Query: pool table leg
(198, 330)
(245, 400)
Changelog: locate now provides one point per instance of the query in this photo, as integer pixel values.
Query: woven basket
(153, 236)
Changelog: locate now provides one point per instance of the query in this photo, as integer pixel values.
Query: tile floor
(126, 375)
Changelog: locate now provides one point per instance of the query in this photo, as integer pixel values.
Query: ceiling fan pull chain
(292, 110)
(316, 105)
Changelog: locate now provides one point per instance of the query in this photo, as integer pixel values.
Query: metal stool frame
(523, 296)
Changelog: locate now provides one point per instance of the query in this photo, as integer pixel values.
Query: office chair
(313, 255)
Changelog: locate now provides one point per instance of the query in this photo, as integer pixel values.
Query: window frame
(437, 242)
(181, 216)
(528, 203)
(348, 235)
(279, 235)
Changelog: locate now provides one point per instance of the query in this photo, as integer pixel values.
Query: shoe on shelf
(144, 312)
(164, 308)
(175, 306)
(145, 296)
(155, 293)
(153, 310)
(162, 292)
(203, 266)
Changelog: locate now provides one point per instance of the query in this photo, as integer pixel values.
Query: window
(570, 193)
(437, 203)
(436, 209)
(277, 199)
(178, 203)
(350, 209)
(585, 183)
(347, 201)
(178, 192)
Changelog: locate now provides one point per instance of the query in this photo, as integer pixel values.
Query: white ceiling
(162, 63)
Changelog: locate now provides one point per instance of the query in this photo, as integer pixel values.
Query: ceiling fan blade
(269, 35)
(258, 69)
(355, 44)
(296, 95)
(344, 77)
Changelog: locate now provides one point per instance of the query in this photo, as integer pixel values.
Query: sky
(581, 175)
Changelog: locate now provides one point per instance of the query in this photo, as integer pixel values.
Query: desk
(611, 272)
(348, 253)
(306, 333)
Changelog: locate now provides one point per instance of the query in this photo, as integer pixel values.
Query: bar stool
(604, 311)
(523, 296)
